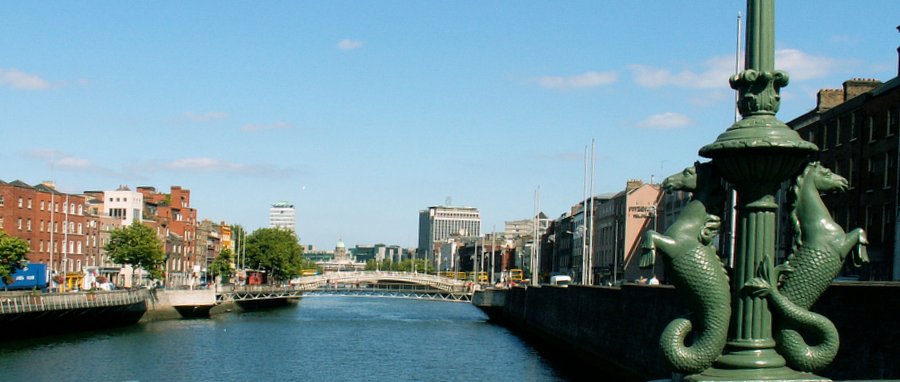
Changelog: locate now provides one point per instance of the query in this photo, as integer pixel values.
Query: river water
(319, 339)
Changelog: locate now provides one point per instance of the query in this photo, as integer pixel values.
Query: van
(560, 280)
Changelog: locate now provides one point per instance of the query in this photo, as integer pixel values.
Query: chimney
(828, 98)
(858, 86)
(632, 184)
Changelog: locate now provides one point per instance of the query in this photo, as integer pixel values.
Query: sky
(363, 113)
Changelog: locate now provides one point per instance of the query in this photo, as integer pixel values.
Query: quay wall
(615, 330)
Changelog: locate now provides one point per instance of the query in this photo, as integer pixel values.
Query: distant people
(653, 280)
(642, 280)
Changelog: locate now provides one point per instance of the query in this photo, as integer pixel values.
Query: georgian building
(856, 129)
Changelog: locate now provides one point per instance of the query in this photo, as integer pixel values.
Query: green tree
(138, 246)
(277, 251)
(223, 264)
(12, 255)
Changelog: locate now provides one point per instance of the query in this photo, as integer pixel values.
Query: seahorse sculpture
(820, 248)
(696, 271)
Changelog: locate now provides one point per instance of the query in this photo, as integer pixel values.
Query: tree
(12, 255)
(138, 246)
(277, 251)
(223, 264)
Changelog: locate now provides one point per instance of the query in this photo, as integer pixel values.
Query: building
(283, 215)
(54, 225)
(124, 204)
(438, 223)
(176, 224)
(856, 129)
(619, 228)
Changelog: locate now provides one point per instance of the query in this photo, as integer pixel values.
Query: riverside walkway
(28, 302)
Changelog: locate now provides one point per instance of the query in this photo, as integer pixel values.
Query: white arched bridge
(382, 284)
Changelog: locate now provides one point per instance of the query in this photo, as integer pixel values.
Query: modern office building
(438, 223)
(283, 215)
(123, 204)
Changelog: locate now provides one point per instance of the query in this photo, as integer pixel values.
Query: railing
(24, 302)
(369, 282)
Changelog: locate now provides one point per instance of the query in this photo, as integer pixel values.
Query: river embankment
(616, 329)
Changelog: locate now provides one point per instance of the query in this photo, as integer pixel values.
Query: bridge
(381, 284)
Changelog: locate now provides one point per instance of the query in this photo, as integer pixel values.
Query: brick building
(856, 129)
(53, 223)
(176, 224)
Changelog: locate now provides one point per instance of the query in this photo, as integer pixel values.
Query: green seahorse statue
(696, 271)
(820, 248)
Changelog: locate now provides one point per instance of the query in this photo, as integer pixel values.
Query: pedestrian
(653, 280)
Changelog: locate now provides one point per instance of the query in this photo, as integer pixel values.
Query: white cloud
(802, 66)
(213, 165)
(257, 127)
(205, 117)
(584, 80)
(348, 44)
(21, 80)
(667, 120)
(203, 164)
(714, 74)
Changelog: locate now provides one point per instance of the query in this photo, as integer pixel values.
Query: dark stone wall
(614, 332)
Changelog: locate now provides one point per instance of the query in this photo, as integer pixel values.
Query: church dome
(340, 244)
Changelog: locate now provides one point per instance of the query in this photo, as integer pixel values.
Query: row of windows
(879, 168)
(847, 128)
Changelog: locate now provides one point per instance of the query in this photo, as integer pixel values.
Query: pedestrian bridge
(409, 285)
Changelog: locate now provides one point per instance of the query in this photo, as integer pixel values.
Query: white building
(124, 204)
(283, 215)
(438, 223)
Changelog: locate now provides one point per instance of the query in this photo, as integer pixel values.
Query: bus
(482, 277)
(515, 274)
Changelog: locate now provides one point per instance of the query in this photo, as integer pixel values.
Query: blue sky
(361, 113)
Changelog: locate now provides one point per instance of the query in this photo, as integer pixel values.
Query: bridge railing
(42, 302)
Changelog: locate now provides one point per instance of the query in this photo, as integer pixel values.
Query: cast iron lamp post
(747, 327)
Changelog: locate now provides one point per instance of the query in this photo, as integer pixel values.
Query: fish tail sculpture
(695, 270)
(820, 248)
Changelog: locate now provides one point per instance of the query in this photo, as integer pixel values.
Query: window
(851, 173)
(893, 121)
(79, 248)
(42, 226)
(20, 202)
(837, 131)
(41, 246)
(886, 218)
(28, 225)
(72, 208)
(80, 210)
(1, 200)
(19, 224)
(888, 166)
(42, 205)
(79, 228)
(29, 203)
(871, 128)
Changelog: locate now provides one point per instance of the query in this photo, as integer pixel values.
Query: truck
(32, 276)
(560, 280)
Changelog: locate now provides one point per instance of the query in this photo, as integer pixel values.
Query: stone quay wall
(615, 331)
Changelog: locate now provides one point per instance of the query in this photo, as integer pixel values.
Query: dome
(340, 244)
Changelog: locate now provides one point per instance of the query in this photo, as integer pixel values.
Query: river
(319, 339)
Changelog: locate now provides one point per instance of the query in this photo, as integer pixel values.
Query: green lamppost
(747, 327)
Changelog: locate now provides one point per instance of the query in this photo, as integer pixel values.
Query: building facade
(283, 215)
(856, 129)
(439, 223)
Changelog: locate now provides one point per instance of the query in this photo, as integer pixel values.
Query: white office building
(124, 204)
(438, 223)
(283, 215)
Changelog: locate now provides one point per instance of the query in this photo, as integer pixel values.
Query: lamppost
(756, 154)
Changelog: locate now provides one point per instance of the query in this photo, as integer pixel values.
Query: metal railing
(24, 302)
